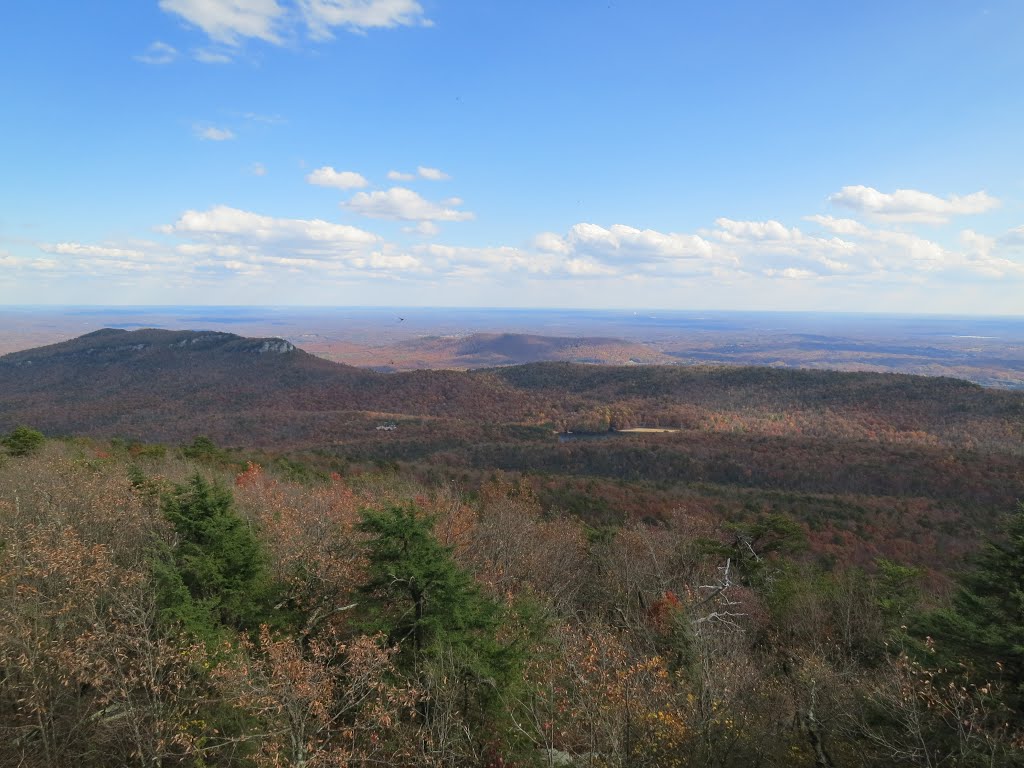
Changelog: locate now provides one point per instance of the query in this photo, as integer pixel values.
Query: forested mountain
(161, 384)
(908, 467)
(537, 565)
(167, 385)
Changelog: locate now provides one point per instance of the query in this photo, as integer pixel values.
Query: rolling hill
(811, 442)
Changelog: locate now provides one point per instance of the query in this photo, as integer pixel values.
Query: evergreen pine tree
(984, 627)
(215, 575)
(431, 609)
(22, 441)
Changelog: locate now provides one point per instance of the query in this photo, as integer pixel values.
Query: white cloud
(790, 273)
(106, 260)
(770, 247)
(404, 204)
(386, 261)
(204, 56)
(839, 226)
(359, 15)
(587, 268)
(230, 22)
(101, 251)
(910, 205)
(314, 235)
(1014, 237)
(399, 176)
(328, 177)
(754, 230)
(486, 262)
(158, 53)
(433, 174)
(549, 242)
(10, 263)
(248, 243)
(226, 21)
(590, 250)
(842, 256)
(625, 244)
(208, 249)
(482, 262)
(981, 255)
(425, 228)
(258, 169)
(895, 254)
(212, 133)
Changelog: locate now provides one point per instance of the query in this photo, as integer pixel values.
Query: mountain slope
(951, 445)
(167, 385)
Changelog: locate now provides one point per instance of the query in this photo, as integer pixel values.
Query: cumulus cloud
(100, 251)
(728, 229)
(891, 254)
(328, 177)
(838, 226)
(424, 228)
(549, 242)
(433, 174)
(771, 247)
(213, 133)
(103, 260)
(245, 242)
(226, 242)
(359, 15)
(791, 273)
(625, 244)
(591, 250)
(399, 176)
(315, 235)
(588, 268)
(227, 21)
(1014, 237)
(7, 260)
(158, 53)
(485, 262)
(379, 260)
(404, 204)
(981, 254)
(911, 205)
(463, 261)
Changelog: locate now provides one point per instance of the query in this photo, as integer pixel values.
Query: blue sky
(729, 155)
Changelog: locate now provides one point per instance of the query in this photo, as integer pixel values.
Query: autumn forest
(221, 551)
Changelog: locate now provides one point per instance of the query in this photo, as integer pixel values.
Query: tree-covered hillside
(172, 607)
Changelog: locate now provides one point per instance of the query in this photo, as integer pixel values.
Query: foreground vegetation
(168, 608)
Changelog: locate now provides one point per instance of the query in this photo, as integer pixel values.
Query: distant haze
(986, 350)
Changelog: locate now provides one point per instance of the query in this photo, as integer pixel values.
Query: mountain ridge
(156, 384)
(102, 340)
